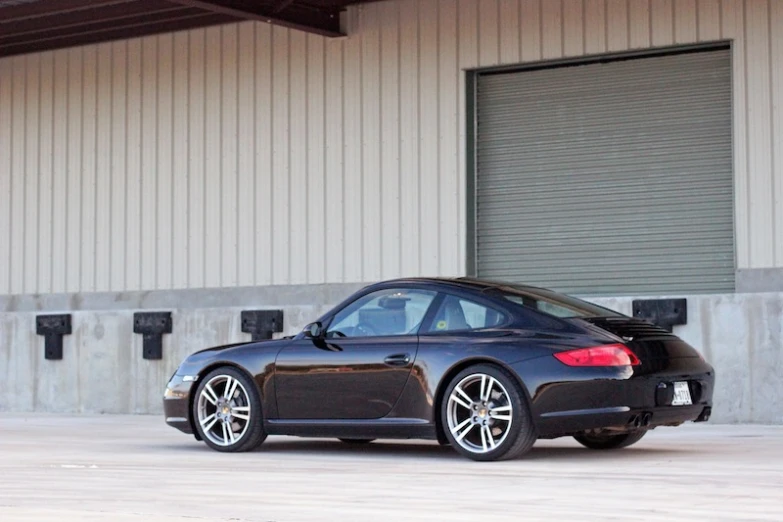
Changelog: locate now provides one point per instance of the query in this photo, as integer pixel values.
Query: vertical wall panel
(662, 22)
(315, 180)
(88, 155)
(297, 146)
(335, 166)
(390, 141)
(409, 139)
(264, 220)
(213, 175)
(133, 196)
(281, 212)
(196, 126)
(17, 173)
(488, 30)
(509, 28)
(552, 29)
(759, 128)
(73, 203)
(6, 166)
(708, 12)
(371, 196)
(353, 221)
(60, 252)
(530, 29)
(229, 156)
(595, 26)
(776, 65)
(448, 143)
(733, 27)
(639, 24)
(246, 166)
(180, 212)
(249, 154)
(163, 182)
(31, 172)
(429, 194)
(573, 28)
(685, 24)
(103, 167)
(617, 30)
(45, 166)
(149, 174)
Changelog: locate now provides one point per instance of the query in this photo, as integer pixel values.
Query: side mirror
(314, 330)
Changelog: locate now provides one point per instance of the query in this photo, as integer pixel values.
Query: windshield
(553, 303)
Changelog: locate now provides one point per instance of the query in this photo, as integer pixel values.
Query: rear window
(553, 303)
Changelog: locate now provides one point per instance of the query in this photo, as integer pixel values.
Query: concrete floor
(134, 469)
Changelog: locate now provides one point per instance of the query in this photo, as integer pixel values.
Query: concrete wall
(103, 370)
(741, 335)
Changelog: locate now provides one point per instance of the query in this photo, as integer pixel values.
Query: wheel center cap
(226, 410)
(482, 412)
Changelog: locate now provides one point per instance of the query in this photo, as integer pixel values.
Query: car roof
(473, 283)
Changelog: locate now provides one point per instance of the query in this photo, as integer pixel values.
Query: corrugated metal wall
(252, 155)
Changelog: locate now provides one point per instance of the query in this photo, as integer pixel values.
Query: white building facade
(250, 165)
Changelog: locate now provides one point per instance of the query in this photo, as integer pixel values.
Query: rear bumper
(572, 400)
(176, 404)
(619, 418)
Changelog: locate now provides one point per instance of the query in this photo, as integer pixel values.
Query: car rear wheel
(485, 415)
(607, 442)
(227, 411)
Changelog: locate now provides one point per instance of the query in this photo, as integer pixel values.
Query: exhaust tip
(647, 419)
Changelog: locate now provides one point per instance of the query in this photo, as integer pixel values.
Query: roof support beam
(304, 18)
(15, 13)
(113, 33)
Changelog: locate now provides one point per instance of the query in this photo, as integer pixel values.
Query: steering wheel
(366, 330)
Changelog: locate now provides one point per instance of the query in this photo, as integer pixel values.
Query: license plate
(682, 394)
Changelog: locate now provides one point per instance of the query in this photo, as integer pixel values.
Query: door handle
(399, 359)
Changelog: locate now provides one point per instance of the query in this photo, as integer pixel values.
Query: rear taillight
(608, 355)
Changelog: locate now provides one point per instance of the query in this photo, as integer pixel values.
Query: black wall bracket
(53, 327)
(261, 324)
(665, 313)
(152, 325)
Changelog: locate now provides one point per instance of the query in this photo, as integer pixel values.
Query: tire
(609, 442)
(356, 441)
(496, 423)
(215, 414)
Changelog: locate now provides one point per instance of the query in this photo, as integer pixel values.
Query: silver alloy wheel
(224, 410)
(479, 413)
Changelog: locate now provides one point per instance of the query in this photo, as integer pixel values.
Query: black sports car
(487, 367)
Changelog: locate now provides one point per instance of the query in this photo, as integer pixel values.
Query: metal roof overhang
(28, 26)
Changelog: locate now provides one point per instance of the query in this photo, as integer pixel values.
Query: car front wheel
(227, 411)
(485, 415)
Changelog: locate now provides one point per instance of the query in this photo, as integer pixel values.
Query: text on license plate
(682, 394)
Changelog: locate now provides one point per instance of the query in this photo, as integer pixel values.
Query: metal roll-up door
(608, 178)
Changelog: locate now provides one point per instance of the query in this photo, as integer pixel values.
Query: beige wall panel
(776, 60)
(250, 155)
(6, 162)
(450, 190)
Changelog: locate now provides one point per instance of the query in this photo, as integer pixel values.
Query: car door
(359, 368)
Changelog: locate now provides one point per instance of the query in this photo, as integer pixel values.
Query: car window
(385, 312)
(456, 314)
(555, 304)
